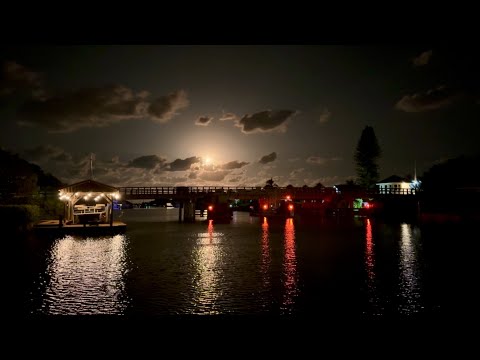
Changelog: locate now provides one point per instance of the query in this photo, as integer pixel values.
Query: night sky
(236, 115)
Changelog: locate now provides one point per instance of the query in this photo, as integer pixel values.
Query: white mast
(91, 165)
(415, 167)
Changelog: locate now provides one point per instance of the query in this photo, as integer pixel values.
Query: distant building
(396, 185)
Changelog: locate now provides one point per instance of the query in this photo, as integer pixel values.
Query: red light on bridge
(290, 207)
(265, 207)
(289, 197)
(210, 208)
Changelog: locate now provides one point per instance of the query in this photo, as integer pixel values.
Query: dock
(53, 227)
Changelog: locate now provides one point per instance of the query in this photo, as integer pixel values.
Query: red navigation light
(289, 197)
(210, 208)
(265, 207)
(290, 207)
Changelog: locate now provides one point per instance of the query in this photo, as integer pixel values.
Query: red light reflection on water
(265, 254)
(373, 298)
(210, 230)
(289, 267)
(369, 255)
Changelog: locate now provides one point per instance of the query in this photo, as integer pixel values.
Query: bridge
(247, 193)
(316, 200)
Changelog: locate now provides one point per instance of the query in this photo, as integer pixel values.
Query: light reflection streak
(409, 278)
(265, 266)
(370, 269)
(205, 282)
(86, 276)
(289, 269)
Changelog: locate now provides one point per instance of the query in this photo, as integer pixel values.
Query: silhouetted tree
(452, 186)
(457, 173)
(319, 185)
(270, 183)
(366, 156)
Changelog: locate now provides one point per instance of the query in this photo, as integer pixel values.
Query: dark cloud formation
(164, 108)
(101, 106)
(182, 165)
(431, 100)
(325, 116)
(268, 158)
(90, 107)
(15, 77)
(265, 121)
(146, 162)
(203, 120)
(192, 175)
(233, 165)
(97, 107)
(422, 59)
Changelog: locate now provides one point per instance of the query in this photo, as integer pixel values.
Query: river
(361, 269)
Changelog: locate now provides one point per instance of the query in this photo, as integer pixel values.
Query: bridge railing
(294, 192)
(182, 190)
(394, 191)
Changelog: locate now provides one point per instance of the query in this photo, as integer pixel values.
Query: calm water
(286, 267)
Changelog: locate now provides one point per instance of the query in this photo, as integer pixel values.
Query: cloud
(97, 107)
(265, 121)
(431, 100)
(422, 59)
(90, 107)
(214, 175)
(68, 111)
(295, 172)
(203, 120)
(233, 165)
(164, 108)
(146, 170)
(294, 159)
(228, 116)
(15, 77)
(268, 158)
(316, 160)
(182, 165)
(146, 162)
(47, 153)
(325, 116)
(235, 179)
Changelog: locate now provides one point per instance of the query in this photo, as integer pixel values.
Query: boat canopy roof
(89, 186)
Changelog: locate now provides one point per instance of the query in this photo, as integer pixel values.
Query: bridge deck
(243, 193)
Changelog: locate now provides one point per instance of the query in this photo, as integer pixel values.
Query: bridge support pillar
(189, 212)
(180, 212)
